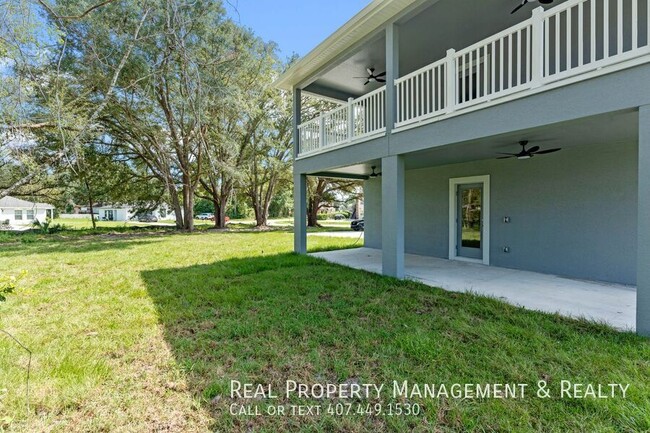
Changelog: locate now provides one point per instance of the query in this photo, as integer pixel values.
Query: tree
(95, 176)
(48, 112)
(175, 83)
(237, 121)
(269, 160)
(269, 165)
(322, 192)
(282, 203)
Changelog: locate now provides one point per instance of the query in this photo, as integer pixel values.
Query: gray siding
(573, 213)
(372, 212)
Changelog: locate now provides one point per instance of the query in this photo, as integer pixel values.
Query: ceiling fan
(372, 78)
(525, 2)
(527, 153)
(374, 174)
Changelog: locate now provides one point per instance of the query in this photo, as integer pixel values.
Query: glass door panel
(470, 221)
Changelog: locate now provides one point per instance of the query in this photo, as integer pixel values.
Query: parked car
(339, 217)
(205, 216)
(148, 218)
(357, 225)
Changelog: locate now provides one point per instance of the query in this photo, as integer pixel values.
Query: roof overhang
(361, 26)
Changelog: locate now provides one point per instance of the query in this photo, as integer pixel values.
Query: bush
(47, 228)
(332, 215)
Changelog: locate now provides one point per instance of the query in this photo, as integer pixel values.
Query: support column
(297, 119)
(300, 213)
(392, 73)
(392, 216)
(299, 183)
(643, 226)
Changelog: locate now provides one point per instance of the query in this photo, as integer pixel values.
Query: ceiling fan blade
(509, 154)
(370, 70)
(383, 74)
(533, 149)
(519, 7)
(380, 80)
(507, 157)
(366, 83)
(544, 152)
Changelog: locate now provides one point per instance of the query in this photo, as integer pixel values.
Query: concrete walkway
(610, 303)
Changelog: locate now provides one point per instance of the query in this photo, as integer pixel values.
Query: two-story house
(513, 139)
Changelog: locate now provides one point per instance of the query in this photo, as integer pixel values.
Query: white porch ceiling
(610, 128)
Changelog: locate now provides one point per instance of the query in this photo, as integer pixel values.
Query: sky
(297, 26)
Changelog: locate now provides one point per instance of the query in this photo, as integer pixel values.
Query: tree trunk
(312, 213)
(218, 224)
(188, 207)
(223, 204)
(92, 215)
(178, 212)
(90, 202)
(261, 216)
(219, 195)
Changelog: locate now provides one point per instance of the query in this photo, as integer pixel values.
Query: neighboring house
(113, 212)
(467, 81)
(19, 212)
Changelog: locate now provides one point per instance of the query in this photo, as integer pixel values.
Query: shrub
(47, 228)
(332, 215)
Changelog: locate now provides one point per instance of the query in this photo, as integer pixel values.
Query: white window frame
(27, 212)
(18, 214)
(453, 215)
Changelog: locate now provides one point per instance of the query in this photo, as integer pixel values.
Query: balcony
(359, 119)
(568, 43)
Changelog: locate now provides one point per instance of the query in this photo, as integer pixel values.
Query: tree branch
(73, 17)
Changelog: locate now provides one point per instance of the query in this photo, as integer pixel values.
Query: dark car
(147, 218)
(357, 225)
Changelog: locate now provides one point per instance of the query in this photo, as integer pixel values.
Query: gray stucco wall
(372, 212)
(572, 213)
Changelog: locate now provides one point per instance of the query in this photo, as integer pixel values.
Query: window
(30, 214)
(18, 215)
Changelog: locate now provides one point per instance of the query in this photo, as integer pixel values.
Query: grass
(79, 228)
(144, 333)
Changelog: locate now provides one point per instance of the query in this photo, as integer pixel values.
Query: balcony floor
(613, 304)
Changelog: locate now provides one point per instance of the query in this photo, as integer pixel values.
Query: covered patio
(613, 304)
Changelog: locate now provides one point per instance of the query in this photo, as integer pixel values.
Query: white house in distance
(17, 212)
(113, 212)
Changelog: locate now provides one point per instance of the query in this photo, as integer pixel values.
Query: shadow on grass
(265, 320)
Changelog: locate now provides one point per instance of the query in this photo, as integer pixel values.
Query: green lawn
(80, 224)
(144, 331)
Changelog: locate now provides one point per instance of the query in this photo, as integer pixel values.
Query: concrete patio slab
(342, 234)
(613, 304)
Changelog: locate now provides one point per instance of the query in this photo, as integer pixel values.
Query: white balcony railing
(573, 38)
(357, 119)
(570, 39)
